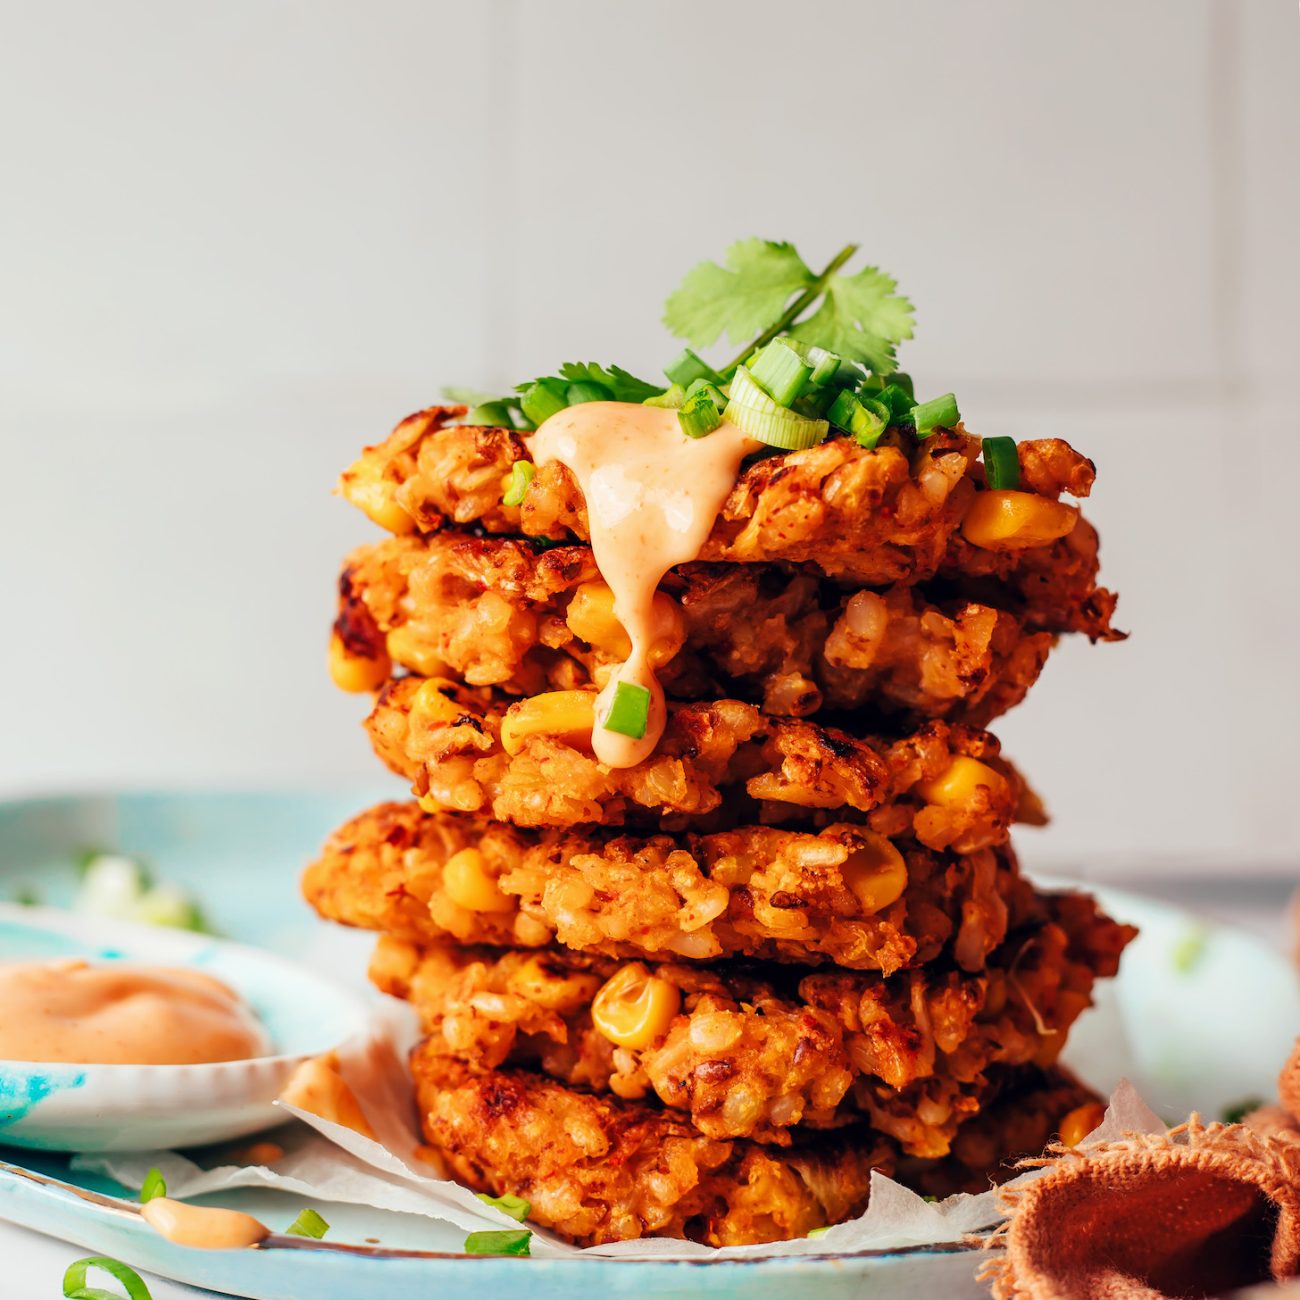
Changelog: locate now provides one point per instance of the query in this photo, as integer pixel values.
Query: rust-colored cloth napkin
(1199, 1211)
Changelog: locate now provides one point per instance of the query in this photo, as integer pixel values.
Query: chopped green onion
(818, 1232)
(587, 391)
(688, 367)
(521, 475)
(937, 413)
(710, 390)
(825, 366)
(1001, 463)
(671, 398)
(866, 425)
(699, 415)
(509, 1241)
(904, 381)
(753, 412)
(154, 1185)
(780, 372)
(629, 711)
(1189, 951)
(543, 398)
(308, 1224)
(515, 1206)
(898, 400)
(1238, 1111)
(494, 414)
(74, 1280)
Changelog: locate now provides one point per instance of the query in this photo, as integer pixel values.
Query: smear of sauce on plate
(118, 1014)
(203, 1226)
(652, 496)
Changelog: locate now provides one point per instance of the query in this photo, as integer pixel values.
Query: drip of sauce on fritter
(116, 1014)
(652, 496)
(205, 1227)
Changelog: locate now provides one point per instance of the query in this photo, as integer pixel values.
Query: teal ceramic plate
(1209, 1013)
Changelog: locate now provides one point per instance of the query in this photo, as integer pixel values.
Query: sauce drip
(206, 1227)
(652, 495)
(122, 1015)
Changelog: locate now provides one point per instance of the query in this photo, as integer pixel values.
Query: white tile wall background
(238, 239)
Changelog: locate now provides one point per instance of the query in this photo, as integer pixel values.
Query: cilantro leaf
(740, 299)
(862, 318)
(466, 396)
(625, 387)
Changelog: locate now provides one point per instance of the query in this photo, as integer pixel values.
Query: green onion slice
(699, 416)
(543, 398)
(902, 380)
(865, 423)
(629, 711)
(154, 1185)
(1001, 463)
(587, 391)
(937, 413)
(509, 1241)
(308, 1224)
(780, 371)
(688, 367)
(521, 475)
(494, 414)
(753, 412)
(515, 1206)
(825, 366)
(818, 1232)
(897, 399)
(672, 398)
(74, 1280)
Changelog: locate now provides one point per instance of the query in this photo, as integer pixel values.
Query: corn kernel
(554, 713)
(353, 672)
(1006, 520)
(556, 990)
(590, 616)
(412, 648)
(432, 704)
(955, 786)
(466, 882)
(876, 873)
(633, 1008)
(1078, 1123)
(365, 486)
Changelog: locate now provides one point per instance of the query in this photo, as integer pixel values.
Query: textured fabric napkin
(1198, 1211)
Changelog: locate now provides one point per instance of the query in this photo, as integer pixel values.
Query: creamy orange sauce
(122, 1015)
(652, 495)
(317, 1086)
(206, 1227)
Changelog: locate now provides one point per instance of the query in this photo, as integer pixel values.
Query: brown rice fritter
(753, 1051)
(870, 517)
(596, 1169)
(495, 612)
(758, 891)
(447, 739)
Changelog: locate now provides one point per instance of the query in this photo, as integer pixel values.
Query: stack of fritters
(705, 996)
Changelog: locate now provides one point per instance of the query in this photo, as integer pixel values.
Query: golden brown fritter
(446, 739)
(496, 612)
(888, 515)
(753, 1051)
(757, 891)
(596, 1170)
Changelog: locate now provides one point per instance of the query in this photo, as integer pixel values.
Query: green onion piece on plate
(688, 367)
(818, 1232)
(587, 391)
(937, 413)
(1001, 463)
(308, 1224)
(509, 1241)
(515, 1206)
(855, 417)
(154, 1185)
(543, 398)
(629, 711)
(699, 416)
(780, 372)
(671, 398)
(753, 412)
(496, 415)
(521, 475)
(74, 1280)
